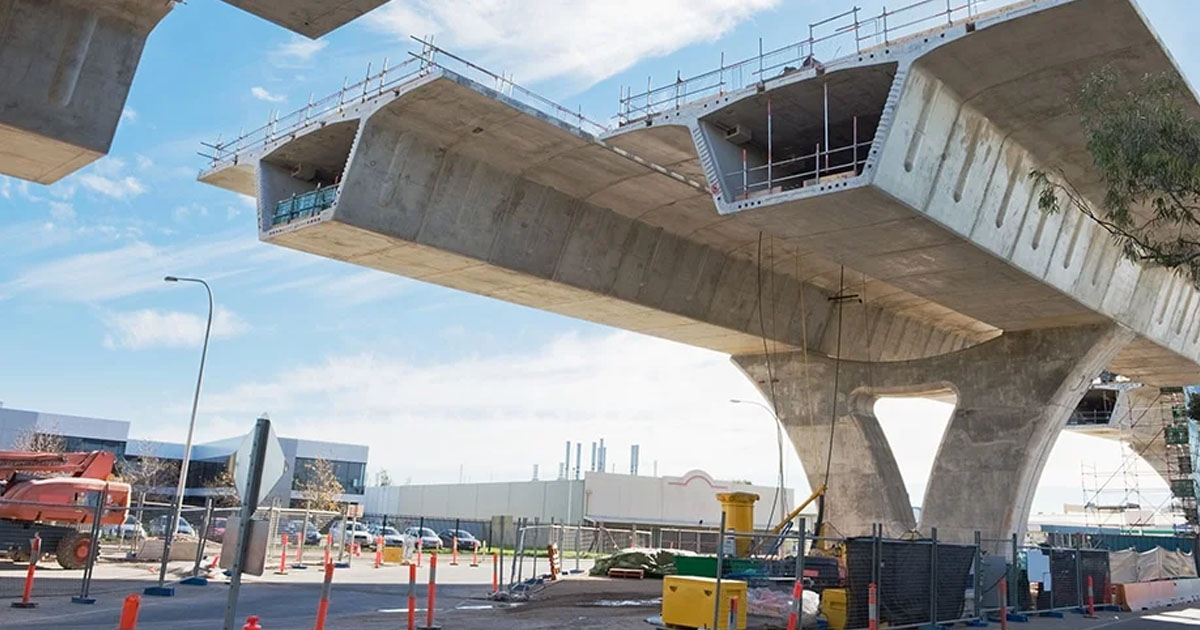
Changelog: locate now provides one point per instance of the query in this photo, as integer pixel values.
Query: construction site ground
(365, 598)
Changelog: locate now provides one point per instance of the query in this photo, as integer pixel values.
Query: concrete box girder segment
(65, 71)
(66, 67)
(311, 18)
(452, 183)
(942, 205)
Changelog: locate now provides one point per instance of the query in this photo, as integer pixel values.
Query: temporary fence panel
(917, 581)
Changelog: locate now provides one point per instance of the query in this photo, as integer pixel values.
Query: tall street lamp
(778, 439)
(173, 523)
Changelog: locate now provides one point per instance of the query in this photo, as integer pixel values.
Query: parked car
(158, 526)
(429, 538)
(129, 529)
(466, 540)
(355, 532)
(216, 531)
(391, 536)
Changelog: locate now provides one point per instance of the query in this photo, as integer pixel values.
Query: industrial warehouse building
(81, 433)
(600, 498)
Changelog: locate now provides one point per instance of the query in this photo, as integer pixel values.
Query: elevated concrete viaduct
(871, 214)
(66, 67)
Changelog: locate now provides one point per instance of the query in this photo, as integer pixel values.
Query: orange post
(454, 551)
(1004, 603)
(733, 614)
(475, 554)
(412, 597)
(283, 555)
(328, 547)
(420, 548)
(872, 608)
(797, 593)
(432, 591)
(378, 551)
(35, 552)
(495, 572)
(323, 605)
(129, 613)
(252, 623)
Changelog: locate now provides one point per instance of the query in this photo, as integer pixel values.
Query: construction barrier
(378, 551)
(35, 552)
(283, 556)
(412, 597)
(1146, 595)
(129, 613)
(429, 625)
(323, 605)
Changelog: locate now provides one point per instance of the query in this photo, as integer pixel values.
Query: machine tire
(73, 550)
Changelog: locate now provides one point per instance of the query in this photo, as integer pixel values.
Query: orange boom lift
(51, 494)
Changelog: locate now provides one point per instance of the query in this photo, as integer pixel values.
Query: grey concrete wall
(1014, 395)
(65, 70)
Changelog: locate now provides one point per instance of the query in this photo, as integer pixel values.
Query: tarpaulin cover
(653, 562)
(1130, 566)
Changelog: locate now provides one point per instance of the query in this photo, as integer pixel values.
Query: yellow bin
(688, 602)
(833, 606)
(739, 516)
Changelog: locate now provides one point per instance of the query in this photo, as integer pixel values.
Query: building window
(352, 475)
(73, 444)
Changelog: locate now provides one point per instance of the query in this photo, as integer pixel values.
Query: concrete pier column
(1013, 396)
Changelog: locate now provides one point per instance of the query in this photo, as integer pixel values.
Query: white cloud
(134, 268)
(581, 42)
(182, 212)
(628, 388)
(297, 50)
(262, 94)
(62, 211)
(150, 328)
(128, 115)
(107, 177)
(6, 187)
(362, 287)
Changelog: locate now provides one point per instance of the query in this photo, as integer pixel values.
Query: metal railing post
(720, 567)
(1079, 572)
(1013, 573)
(933, 581)
(204, 531)
(977, 594)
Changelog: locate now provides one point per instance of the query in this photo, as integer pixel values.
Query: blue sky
(337, 352)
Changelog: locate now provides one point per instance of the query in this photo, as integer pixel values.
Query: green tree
(1145, 146)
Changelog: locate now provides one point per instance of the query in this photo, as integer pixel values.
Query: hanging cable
(837, 368)
(762, 327)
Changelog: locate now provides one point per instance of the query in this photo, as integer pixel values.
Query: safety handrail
(845, 28)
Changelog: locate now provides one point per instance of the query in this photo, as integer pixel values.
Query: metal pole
(204, 530)
(854, 163)
(578, 533)
(173, 522)
(93, 549)
(769, 150)
(797, 609)
(141, 507)
(262, 429)
(720, 567)
(1079, 572)
(825, 90)
(345, 527)
(978, 585)
(299, 564)
(501, 546)
(1012, 573)
(933, 581)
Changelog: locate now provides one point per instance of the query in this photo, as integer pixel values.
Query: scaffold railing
(841, 36)
(419, 64)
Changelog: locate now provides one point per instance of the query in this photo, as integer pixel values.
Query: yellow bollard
(739, 516)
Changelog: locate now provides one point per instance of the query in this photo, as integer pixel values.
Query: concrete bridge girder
(1013, 396)
(66, 67)
(483, 195)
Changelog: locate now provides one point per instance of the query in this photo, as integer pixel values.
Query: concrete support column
(1013, 396)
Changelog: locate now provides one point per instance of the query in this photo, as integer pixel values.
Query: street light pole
(173, 522)
(779, 441)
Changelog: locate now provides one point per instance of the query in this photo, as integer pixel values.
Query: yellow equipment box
(688, 602)
(833, 606)
(393, 555)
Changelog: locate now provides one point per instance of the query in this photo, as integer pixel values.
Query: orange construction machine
(51, 495)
